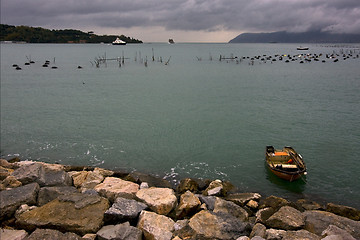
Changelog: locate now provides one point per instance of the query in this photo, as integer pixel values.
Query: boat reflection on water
(294, 187)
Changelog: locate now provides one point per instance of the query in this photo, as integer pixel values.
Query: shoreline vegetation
(52, 201)
(25, 34)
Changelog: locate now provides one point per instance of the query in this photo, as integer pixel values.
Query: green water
(189, 118)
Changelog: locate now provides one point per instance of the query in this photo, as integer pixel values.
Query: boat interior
(281, 159)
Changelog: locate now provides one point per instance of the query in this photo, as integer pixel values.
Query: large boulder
(155, 226)
(317, 221)
(258, 230)
(87, 179)
(334, 231)
(15, 197)
(160, 200)
(9, 234)
(263, 214)
(188, 184)
(47, 194)
(242, 199)
(300, 235)
(45, 234)
(209, 225)
(223, 206)
(119, 232)
(28, 173)
(124, 210)
(112, 187)
(54, 177)
(188, 205)
(286, 218)
(274, 202)
(79, 213)
(344, 211)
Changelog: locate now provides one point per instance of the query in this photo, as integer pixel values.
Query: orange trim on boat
(281, 154)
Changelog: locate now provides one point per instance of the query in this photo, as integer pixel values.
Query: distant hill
(42, 35)
(287, 37)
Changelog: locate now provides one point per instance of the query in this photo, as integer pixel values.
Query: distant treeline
(42, 35)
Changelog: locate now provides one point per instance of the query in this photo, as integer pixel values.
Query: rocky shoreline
(52, 201)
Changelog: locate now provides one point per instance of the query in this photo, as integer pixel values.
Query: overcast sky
(185, 20)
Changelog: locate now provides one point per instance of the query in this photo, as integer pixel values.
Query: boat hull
(286, 176)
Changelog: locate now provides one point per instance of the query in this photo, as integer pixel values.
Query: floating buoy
(53, 67)
(27, 63)
(45, 65)
(18, 68)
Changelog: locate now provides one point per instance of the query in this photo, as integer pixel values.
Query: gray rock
(56, 178)
(30, 173)
(124, 210)
(333, 230)
(223, 206)
(309, 205)
(47, 194)
(208, 200)
(317, 221)
(8, 234)
(14, 198)
(242, 198)
(300, 235)
(119, 232)
(209, 225)
(286, 218)
(344, 211)
(258, 230)
(50, 234)
(78, 213)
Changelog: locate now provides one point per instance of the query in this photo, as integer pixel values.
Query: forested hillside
(42, 35)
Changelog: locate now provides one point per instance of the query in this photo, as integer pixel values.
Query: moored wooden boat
(285, 163)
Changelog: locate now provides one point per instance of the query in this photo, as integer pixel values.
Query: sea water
(188, 110)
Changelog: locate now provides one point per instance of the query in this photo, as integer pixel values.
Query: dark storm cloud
(206, 15)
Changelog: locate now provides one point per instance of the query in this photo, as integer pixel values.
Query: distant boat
(302, 48)
(286, 163)
(171, 41)
(118, 41)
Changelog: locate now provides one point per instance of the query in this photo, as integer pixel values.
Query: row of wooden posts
(98, 61)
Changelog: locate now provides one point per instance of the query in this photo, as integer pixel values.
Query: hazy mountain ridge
(287, 37)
